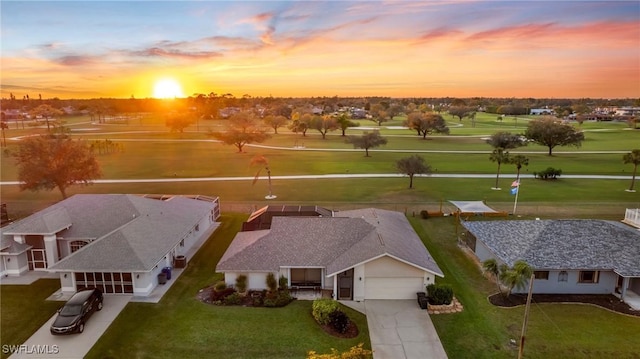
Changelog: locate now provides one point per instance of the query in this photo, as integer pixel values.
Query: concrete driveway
(399, 329)
(44, 345)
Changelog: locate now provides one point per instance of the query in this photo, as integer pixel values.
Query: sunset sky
(91, 49)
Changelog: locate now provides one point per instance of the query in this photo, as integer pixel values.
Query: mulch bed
(607, 301)
(352, 331)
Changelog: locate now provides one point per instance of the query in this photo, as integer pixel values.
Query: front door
(345, 285)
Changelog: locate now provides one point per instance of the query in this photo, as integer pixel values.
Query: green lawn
(483, 330)
(182, 326)
(23, 309)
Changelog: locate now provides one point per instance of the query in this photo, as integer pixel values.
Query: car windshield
(71, 310)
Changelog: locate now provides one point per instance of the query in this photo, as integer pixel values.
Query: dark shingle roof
(336, 243)
(563, 244)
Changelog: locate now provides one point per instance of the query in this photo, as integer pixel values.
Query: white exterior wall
(14, 265)
(257, 281)
(51, 249)
(67, 284)
(358, 282)
(606, 284)
(483, 253)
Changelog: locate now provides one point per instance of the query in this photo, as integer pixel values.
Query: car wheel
(99, 305)
(80, 327)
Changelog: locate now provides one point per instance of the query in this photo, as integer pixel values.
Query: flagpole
(515, 202)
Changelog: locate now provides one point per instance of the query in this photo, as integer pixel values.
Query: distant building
(542, 111)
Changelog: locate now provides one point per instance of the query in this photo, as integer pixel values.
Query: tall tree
(632, 157)
(426, 123)
(378, 114)
(300, 123)
(366, 141)
(461, 111)
(275, 122)
(242, 128)
(323, 124)
(500, 156)
(177, 122)
(47, 112)
(344, 123)
(519, 161)
(412, 166)
(48, 163)
(263, 162)
(506, 140)
(550, 133)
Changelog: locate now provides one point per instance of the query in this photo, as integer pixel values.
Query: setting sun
(167, 88)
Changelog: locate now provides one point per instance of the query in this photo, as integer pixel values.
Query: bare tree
(366, 141)
(412, 166)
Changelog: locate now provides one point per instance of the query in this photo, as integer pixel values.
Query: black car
(75, 313)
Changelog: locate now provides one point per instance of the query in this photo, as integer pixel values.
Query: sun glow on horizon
(167, 88)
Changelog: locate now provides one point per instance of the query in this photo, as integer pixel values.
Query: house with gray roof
(354, 255)
(574, 256)
(116, 242)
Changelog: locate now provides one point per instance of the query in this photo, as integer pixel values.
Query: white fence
(632, 217)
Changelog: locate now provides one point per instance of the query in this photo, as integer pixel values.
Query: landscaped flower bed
(454, 307)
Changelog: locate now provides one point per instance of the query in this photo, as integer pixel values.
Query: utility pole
(526, 317)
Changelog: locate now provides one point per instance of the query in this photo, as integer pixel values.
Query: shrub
(440, 294)
(222, 294)
(357, 352)
(233, 299)
(272, 284)
(241, 283)
(283, 282)
(221, 285)
(339, 321)
(424, 214)
(280, 300)
(549, 173)
(322, 308)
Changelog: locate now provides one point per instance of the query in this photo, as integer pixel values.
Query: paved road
(330, 176)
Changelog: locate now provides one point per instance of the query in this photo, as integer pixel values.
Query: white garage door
(392, 288)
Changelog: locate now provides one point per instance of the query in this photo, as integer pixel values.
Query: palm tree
(501, 156)
(519, 161)
(263, 161)
(516, 276)
(491, 266)
(634, 158)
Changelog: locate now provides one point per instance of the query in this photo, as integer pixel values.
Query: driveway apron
(74, 345)
(399, 329)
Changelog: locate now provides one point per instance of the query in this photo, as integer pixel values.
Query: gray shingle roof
(9, 246)
(133, 233)
(563, 244)
(336, 243)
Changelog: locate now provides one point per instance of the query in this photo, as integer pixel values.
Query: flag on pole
(515, 184)
(514, 190)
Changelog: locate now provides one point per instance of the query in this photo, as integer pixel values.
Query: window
(541, 274)
(588, 276)
(563, 276)
(76, 245)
